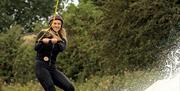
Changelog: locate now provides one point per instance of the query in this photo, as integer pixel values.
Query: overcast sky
(76, 2)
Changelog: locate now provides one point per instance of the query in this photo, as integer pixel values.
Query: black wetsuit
(46, 71)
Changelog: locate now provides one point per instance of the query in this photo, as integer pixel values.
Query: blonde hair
(63, 33)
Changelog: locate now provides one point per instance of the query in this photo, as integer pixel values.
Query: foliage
(26, 12)
(9, 46)
(23, 67)
(135, 32)
(17, 59)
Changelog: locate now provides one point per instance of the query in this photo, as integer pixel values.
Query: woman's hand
(45, 40)
(54, 40)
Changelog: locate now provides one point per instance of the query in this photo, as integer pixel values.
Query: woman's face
(56, 25)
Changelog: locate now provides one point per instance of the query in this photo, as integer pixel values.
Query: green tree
(26, 12)
(9, 46)
(23, 65)
(135, 32)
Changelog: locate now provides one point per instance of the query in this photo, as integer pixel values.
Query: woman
(48, 44)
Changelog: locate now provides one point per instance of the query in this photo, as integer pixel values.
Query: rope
(55, 10)
(57, 1)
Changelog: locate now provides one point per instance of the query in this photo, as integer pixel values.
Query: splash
(166, 85)
(172, 80)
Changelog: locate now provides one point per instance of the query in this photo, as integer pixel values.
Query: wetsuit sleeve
(62, 45)
(39, 46)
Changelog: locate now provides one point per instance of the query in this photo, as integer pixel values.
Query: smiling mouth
(56, 28)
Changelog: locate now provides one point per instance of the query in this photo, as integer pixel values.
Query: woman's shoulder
(42, 32)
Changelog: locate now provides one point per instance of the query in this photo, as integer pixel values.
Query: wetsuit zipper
(51, 55)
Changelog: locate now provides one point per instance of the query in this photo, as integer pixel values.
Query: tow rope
(55, 10)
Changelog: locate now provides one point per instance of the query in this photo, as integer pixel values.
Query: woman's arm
(43, 43)
(42, 46)
(62, 45)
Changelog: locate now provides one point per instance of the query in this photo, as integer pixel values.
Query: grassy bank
(131, 81)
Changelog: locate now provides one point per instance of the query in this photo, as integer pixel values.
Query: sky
(76, 2)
